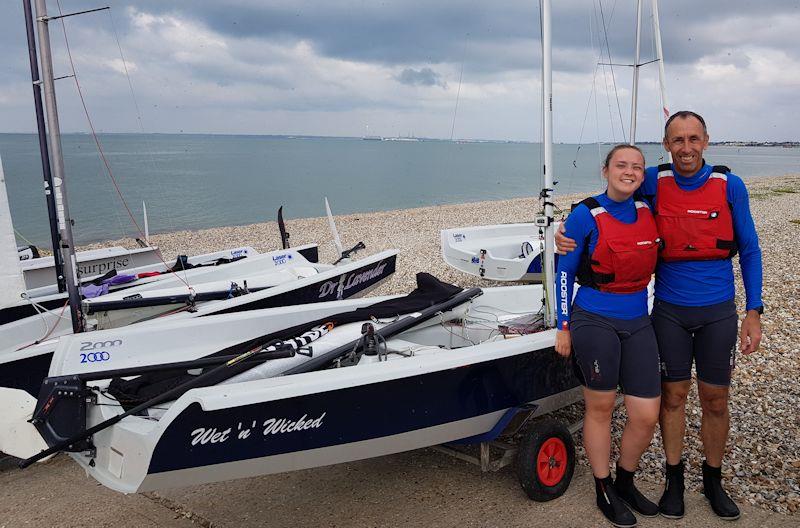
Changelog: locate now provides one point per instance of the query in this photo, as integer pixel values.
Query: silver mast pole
(635, 91)
(661, 75)
(54, 133)
(548, 265)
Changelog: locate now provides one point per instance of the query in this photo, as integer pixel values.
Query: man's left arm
(750, 262)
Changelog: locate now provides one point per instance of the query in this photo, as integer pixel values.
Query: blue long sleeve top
(702, 283)
(581, 226)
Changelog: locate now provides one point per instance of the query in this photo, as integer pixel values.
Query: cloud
(421, 77)
(310, 67)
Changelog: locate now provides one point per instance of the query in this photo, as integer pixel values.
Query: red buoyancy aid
(698, 224)
(625, 255)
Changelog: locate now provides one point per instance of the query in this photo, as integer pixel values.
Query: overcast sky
(397, 68)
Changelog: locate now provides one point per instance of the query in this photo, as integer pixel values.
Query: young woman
(607, 328)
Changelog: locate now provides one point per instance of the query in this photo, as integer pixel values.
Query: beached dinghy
(288, 279)
(41, 272)
(38, 273)
(449, 365)
(25, 367)
(30, 316)
(503, 252)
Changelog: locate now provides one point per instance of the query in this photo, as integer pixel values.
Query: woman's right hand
(563, 343)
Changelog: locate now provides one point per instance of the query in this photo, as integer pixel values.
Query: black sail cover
(429, 292)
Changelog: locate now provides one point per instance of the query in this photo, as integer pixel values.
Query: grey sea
(201, 181)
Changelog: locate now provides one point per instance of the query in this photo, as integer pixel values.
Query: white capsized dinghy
(349, 386)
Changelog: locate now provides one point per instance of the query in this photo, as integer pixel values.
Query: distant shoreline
(727, 143)
(412, 230)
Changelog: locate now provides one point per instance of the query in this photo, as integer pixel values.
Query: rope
(583, 127)
(22, 237)
(39, 310)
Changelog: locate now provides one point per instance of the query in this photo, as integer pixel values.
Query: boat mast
(62, 210)
(636, 65)
(548, 265)
(661, 75)
(45, 156)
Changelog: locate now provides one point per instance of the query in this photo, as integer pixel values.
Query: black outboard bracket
(61, 411)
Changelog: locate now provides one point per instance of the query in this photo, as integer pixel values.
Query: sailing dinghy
(287, 278)
(343, 381)
(503, 252)
(40, 272)
(24, 360)
(30, 316)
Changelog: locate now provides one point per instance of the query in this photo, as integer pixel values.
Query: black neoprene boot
(611, 505)
(671, 503)
(633, 497)
(720, 502)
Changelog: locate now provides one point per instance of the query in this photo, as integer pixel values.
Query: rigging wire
(91, 124)
(117, 214)
(593, 94)
(40, 311)
(150, 146)
(127, 74)
(611, 67)
(458, 92)
(97, 141)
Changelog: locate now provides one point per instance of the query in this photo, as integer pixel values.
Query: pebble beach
(762, 466)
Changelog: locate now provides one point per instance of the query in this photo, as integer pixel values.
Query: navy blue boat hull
(361, 413)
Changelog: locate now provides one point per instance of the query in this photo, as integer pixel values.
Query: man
(703, 215)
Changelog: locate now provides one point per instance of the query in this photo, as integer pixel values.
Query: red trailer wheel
(545, 460)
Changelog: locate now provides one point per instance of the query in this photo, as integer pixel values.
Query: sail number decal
(94, 345)
(95, 357)
(91, 353)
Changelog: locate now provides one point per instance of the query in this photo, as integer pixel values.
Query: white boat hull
(503, 252)
(41, 272)
(23, 366)
(447, 391)
(46, 315)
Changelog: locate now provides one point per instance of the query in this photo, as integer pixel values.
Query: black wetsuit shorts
(610, 353)
(703, 334)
